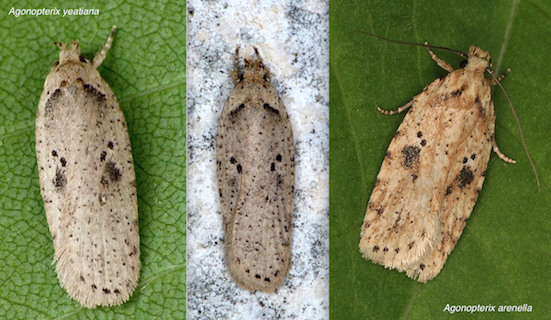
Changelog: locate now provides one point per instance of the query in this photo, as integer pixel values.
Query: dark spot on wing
(112, 171)
(52, 101)
(465, 177)
(234, 112)
(269, 108)
(60, 181)
(96, 95)
(411, 155)
(458, 92)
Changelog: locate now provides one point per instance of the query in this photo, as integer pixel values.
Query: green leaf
(503, 255)
(145, 67)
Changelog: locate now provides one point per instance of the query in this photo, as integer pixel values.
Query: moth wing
(229, 153)
(258, 214)
(89, 189)
(471, 153)
(401, 225)
(48, 140)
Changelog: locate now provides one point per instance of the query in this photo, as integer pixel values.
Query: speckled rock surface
(292, 38)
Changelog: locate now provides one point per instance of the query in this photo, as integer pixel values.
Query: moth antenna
(518, 125)
(413, 43)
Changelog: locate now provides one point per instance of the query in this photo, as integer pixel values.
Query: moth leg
(98, 58)
(443, 64)
(492, 129)
(493, 81)
(496, 149)
(499, 153)
(402, 108)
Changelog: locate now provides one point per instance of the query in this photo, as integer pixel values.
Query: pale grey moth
(87, 181)
(255, 158)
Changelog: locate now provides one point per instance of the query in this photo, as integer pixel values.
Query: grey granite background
(293, 39)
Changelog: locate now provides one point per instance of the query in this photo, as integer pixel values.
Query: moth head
(71, 54)
(478, 59)
(70, 60)
(67, 53)
(254, 68)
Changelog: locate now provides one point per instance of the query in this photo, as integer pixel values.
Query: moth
(87, 181)
(433, 171)
(255, 158)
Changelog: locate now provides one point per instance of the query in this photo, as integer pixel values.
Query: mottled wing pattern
(431, 176)
(400, 225)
